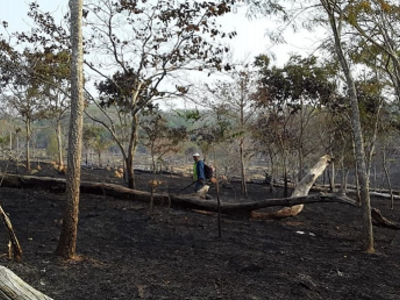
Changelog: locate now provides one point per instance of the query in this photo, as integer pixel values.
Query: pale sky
(249, 42)
(15, 11)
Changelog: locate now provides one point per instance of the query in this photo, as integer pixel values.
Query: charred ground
(127, 253)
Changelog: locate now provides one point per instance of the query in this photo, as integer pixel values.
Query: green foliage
(301, 79)
(189, 115)
(95, 137)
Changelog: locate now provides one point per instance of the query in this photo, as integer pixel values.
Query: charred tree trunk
(332, 176)
(67, 244)
(130, 174)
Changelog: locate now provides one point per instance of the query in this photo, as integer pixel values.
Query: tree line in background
(236, 120)
(343, 100)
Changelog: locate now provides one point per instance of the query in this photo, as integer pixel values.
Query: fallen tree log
(292, 205)
(246, 209)
(191, 201)
(382, 195)
(352, 188)
(301, 189)
(120, 192)
(57, 185)
(13, 287)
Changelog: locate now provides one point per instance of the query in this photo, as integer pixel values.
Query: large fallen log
(292, 205)
(13, 287)
(191, 201)
(120, 192)
(301, 189)
(246, 209)
(57, 185)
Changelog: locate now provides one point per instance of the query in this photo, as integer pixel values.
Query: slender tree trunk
(153, 184)
(344, 176)
(285, 179)
(218, 194)
(91, 157)
(332, 177)
(300, 148)
(243, 175)
(387, 175)
(67, 243)
(14, 247)
(99, 157)
(59, 143)
(11, 141)
(27, 145)
(130, 175)
(301, 164)
(345, 179)
(368, 237)
(271, 183)
(131, 153)
(362, 171)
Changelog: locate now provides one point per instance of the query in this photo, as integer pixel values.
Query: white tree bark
(14, 288)
(334, 14)
(303, 188)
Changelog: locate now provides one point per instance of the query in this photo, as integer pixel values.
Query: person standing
(199, 176)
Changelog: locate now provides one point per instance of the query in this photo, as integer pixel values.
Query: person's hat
(196, 154)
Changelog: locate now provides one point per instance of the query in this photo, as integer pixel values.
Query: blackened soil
(127, 253)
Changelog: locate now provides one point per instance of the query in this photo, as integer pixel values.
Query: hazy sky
(249, 42)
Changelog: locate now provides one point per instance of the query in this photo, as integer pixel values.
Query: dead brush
(154, 183)
(62, 169)
(224, 180)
